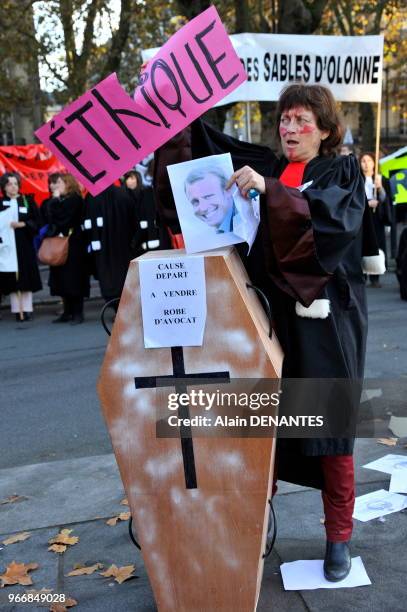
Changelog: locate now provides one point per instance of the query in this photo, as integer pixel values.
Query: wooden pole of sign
(378, 126)
(248, 122)
(377, 151)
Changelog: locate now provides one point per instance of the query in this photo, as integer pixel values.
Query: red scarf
(293, 173)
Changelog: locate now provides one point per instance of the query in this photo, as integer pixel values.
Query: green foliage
(17, 45)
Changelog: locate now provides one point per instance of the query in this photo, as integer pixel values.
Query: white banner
(351, 66)
(173, 301)
(8, 253)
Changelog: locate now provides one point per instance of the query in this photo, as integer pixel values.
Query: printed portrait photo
(210, 215)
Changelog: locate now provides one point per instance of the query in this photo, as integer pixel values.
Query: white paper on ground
(378, 503)
(305, 575)
(398, 426)
(388, 464)
(398, 482)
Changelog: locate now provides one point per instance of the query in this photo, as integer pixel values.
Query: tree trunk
(268, 111)
(294, 17)
(242, 19)
(217, 116)
(299, 16)
(367, 126)
(192, 8)
(119, 39)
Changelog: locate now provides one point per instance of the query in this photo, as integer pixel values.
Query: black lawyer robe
(147, 236)
(401, 260)
(28, 274)
(309, 248)
(110, 223)
(63, 215)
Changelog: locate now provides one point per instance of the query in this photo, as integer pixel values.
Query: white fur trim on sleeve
(319, 309)
(374, 264)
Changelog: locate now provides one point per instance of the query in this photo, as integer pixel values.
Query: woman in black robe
(110, 222)
(309, 259)
(147, 235)
(21, 286)
(63, 213)
(377, 191)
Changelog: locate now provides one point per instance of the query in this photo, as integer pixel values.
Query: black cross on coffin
(150, 382)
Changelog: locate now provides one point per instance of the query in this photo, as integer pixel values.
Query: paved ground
(55, 452)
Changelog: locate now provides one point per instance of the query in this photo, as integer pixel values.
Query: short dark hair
(321, 102)
(134, 173)
(5, 178)
(52, 178)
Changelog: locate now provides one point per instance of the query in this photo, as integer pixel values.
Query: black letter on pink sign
(73, 157)
(114, 112)
(154, 106)
(200, 73)
(211, 60)
(162, 65)
(78, 115)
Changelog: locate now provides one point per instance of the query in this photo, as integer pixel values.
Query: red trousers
(338, 496)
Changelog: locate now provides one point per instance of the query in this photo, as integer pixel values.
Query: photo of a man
(211, 216)
(211, 203)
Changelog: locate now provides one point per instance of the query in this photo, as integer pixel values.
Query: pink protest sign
(104, 133)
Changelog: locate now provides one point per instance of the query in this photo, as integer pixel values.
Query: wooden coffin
(202, 546)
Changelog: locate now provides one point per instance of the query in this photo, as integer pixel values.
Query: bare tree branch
(119, 38)
(89, 28)
(66, 16)
(339, 16)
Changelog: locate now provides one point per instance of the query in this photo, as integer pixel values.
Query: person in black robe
(401, 264)
(63, 213)
(309, 257)
(147, 236)
(21, 286)
(110, 223)
(378, 195)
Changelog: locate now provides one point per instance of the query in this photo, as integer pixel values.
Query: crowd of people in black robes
(108, 230)
(105, 233)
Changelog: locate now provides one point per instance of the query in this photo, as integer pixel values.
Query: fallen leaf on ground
(387, 441)
(123, 516)
(12, 499)
(19, 537)
(58, 548)
(120, 574)
(17, 573)
(124, 502)
(62, 607)
(43, 591)
(87, 570)
(63, 537)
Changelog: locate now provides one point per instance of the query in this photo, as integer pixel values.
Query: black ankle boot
(63, 318)
(337, 561)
